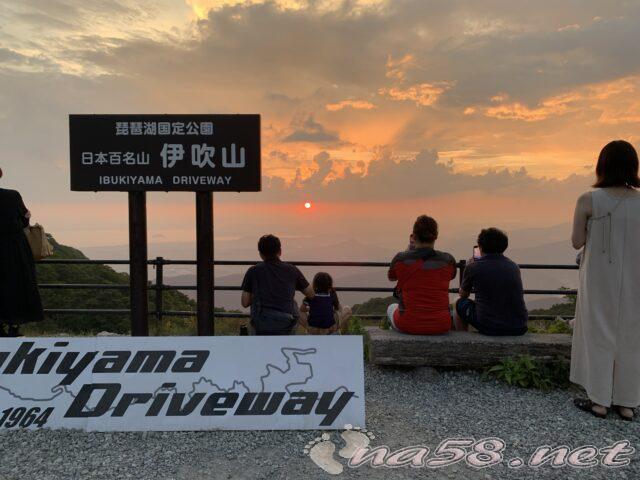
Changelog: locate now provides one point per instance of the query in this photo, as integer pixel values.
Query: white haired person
(19, 297)
(605, 356)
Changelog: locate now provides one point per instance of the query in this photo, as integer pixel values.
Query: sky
(476, 112)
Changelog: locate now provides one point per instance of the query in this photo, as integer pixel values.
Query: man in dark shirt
(499, 307)
(269, 288)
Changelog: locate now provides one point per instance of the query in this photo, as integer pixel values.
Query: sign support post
(138, 282)
(204, 234)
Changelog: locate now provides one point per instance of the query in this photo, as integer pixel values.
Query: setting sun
(307, 205)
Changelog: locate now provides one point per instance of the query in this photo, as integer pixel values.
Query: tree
(91, 323)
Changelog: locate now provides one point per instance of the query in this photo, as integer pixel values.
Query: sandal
(618, 410)
(586, 405)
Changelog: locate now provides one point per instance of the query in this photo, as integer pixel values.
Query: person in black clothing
(269, 288)
(499, 307)
(19, 297)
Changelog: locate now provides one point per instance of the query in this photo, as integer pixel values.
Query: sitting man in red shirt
(423, 275)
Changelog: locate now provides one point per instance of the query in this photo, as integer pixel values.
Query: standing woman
(19, 297)
(605, 356)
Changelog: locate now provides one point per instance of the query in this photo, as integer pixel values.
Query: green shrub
(90, 323)
(557, 371)
(565, 308)
(557, 326)
(374, 306)
(525, 372)
(355, 326)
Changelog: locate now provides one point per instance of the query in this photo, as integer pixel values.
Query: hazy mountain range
(534, 245)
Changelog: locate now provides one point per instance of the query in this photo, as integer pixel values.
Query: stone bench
(460, 349)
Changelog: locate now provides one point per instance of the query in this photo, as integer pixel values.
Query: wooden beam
(460, 349)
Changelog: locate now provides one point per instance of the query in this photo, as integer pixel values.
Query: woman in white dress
(605, 356)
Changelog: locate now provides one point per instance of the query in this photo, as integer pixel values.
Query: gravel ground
(404, 408)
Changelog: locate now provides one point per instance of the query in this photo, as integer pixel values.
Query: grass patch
(384, 324)
(525, 372)
(355, 327)
(557, 326)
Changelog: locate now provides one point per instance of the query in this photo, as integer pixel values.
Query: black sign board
(211, 153)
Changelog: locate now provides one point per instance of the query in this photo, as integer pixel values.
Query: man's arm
(247, 289)
(466, 285)
(392, 275)
(455, 267)
(302, 285)
(246, 299)
(308, 292)
(304, 308)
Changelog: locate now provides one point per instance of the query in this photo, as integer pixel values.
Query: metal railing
(158, 287)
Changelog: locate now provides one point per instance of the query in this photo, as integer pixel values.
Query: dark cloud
(277, 154)
(308, 130)
(421, 177)
(281, 98)
(487, 47)
(535, 64)
(244, 56)
(7, 55)
(71, 14)
(495, 45)
(14, 59)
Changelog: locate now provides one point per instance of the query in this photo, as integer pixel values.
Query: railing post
(159, 291)
(138, 280)
(204, 266)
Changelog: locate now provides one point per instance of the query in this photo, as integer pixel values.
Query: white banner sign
(182, 383)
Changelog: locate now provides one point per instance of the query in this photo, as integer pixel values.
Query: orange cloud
(397, 69)
(423, 94)
(616, 100)
(202, 7)
(573, 26)
(556, 105)
(355, 104)
(603, 91)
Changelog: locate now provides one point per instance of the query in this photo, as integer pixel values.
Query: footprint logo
(321, 450)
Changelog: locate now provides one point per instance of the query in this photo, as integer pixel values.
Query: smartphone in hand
(476, 252)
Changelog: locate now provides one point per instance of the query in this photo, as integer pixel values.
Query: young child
(323, 315)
